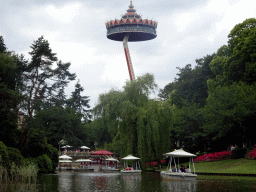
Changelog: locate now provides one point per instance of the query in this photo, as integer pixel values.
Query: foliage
(153, 130)
(236, 61)
(117, 110)
(80, 103)
(58, 122)
(5, 161)
(35, 145)
(187, 128)
(9, 100)
(230, 110)
(14, 155)
(238, 153)
(44, 163)
(191, 84)
(3, 48)
(52, 153)
(216, 156)
(252, 154)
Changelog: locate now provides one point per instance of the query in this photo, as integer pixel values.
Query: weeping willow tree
(155, 121)
(118, 109)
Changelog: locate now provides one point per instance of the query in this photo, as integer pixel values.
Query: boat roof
(111, 159)
(179, 153)
(65, 157)
(65, 161)
(83, 160)
(130, 157)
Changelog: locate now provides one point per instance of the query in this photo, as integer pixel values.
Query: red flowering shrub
(151, 164)
(216, 156)
(154, 163)
(252, 154)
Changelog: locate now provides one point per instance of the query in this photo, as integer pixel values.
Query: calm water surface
(76, 182)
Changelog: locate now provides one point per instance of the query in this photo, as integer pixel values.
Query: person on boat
(182, 169)
(188, 170)
(174, 169)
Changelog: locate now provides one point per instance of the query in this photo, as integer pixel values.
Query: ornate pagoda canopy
(139, 29)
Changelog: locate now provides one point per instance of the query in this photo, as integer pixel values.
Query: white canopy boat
(84, 165)
(131, 170)
(175, 173)
(65, 157)
(108, 168)
(64, 162)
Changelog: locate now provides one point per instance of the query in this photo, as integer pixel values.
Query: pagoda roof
(131, 17)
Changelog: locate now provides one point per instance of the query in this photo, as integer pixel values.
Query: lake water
(148, 181)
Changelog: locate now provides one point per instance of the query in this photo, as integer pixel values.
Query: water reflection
(180, 186)
(130, 182)
(88, 181)
(79, 182)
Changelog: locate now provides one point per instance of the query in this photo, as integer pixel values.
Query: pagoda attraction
(131, 27)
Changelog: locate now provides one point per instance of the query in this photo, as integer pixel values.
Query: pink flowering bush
(252, 154)
(154, 163)
(216, 156)
(151, 164)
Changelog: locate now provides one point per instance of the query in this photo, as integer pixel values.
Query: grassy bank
(215, 177)
(227, 166)
(242, 166)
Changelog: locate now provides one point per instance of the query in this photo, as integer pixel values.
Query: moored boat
(131, 170)
(111, 168)
(176, 173)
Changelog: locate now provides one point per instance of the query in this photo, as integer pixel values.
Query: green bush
(5, 161)
(52, 152)
(14, 155)
(238, 153)
(44, 163)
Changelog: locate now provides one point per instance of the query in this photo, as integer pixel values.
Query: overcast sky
(187, 30)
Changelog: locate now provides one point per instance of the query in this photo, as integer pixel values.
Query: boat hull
(110, 170)
(131, 172)
(178, 176)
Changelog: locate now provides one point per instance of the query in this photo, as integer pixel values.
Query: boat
(175, 173)
(84, 166)
(108, 168)
(131, 170)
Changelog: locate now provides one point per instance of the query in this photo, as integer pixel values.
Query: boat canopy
(65, 157)
(111, 159)
(83, 160)
(130, 157)
(179, 153)
(65, 161)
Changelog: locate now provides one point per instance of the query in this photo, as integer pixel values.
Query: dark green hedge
(5, 161)
(44, 163)
(14, 155)
(239, 153)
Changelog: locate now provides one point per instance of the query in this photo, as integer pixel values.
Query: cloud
(187, 30)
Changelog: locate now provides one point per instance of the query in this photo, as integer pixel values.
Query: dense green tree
(191, 84)
(57, 123)
(3, 48)
(97, 132)
(10, 98)
(118, 110)
(155, 121)
(188, 129)
(40, 69)
(230, 111)
(80, 103)
(230, 105)
(236, 61)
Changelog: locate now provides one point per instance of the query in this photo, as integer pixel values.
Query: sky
(187, 30)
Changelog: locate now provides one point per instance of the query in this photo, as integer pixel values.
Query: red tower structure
(131, 27)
